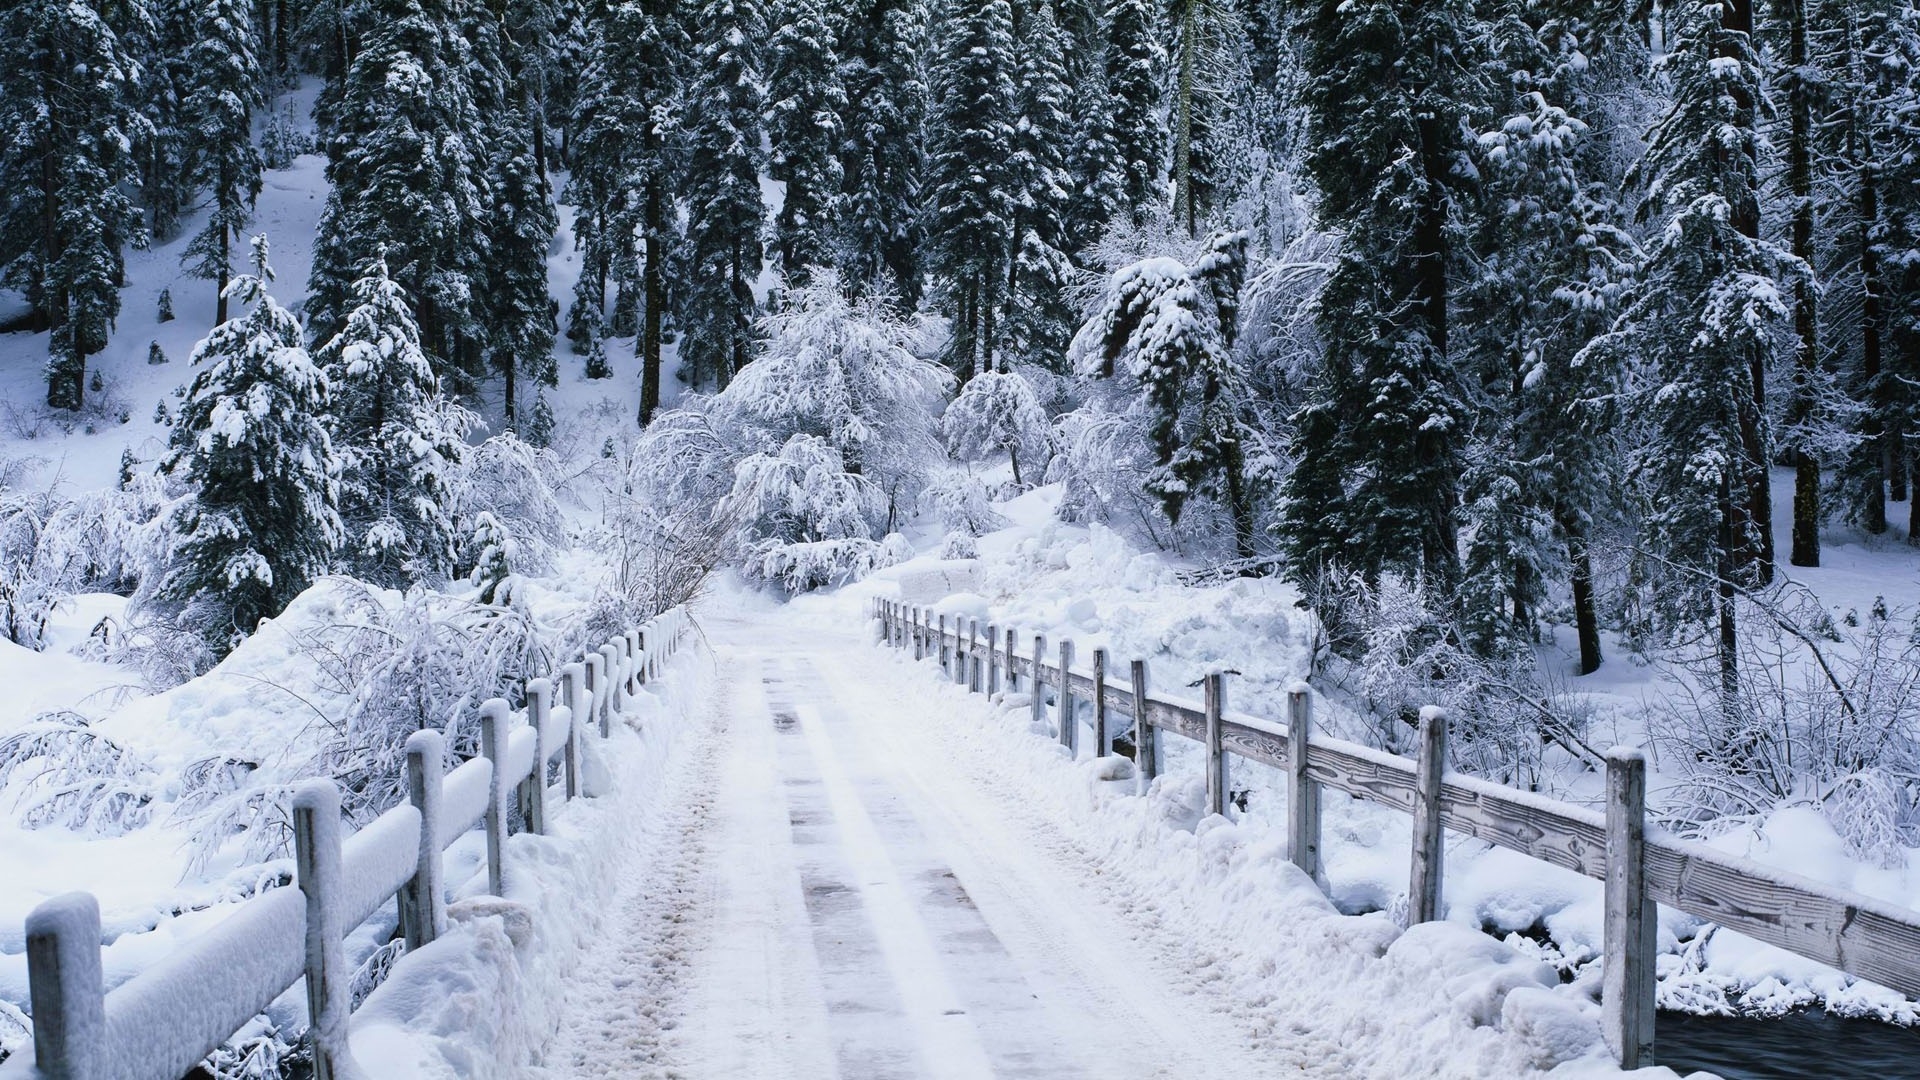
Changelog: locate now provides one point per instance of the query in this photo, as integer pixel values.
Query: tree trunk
(1183, 201)
(1754, 536)
(1806, 470)
(654, 296)
(1725, 595)
(220, 282)
(1586, 618)
(1873, 507)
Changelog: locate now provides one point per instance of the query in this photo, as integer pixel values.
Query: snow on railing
(164, 1021)
(1640, 866)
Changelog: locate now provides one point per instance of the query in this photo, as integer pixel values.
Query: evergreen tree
(1376, 487)
(1701, 334)
(164, 100)
(1135, 60)
(974, 191)
(513, 312)
(261, 522)
(804, 103)
(66, 133)
(623, 167)
(493, 554)
(1094, 166)
(880, 217)
(402, 148)
(1039, 320)
(397, 440)
(725, 213)
(1165, 331)
(222, 93)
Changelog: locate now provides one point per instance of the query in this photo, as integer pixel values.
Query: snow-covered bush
(1828, 716)
(813, 452)
(492, 558)
(518, 483)
(62, 774)
(960, 501)
(52, 547)
(997, 412)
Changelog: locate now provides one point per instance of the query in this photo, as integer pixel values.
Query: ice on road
(828, 898)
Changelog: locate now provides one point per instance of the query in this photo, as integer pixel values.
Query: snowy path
(830, 899)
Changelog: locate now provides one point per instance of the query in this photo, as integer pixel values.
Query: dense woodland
(1472, 317)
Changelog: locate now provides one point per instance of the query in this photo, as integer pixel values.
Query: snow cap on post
(66, 987)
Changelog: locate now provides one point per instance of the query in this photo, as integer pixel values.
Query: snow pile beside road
(484, 1000)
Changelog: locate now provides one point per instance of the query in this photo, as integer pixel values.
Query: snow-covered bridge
(869, 864)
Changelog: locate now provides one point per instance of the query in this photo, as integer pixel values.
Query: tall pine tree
(721, 189)
(223, 91)
(883, 156)
(804, 104)
(261, 520)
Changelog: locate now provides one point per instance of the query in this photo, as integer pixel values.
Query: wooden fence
(1639, 865)
(164, 1021)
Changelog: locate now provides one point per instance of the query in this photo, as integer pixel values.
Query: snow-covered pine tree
(883, 155)
(1552, 267)
(721, 189)
(804, 104)
(1039, 319)
(260, 521)
(67, 122)
(997, 412)
(624, 162)
(973, 190)
(406, 177)
(513, 312)
(164, 97)
(1868, 143)
(397, 439)
(1375, 488)
(221, 92)
(1135, 63)
(493, 553)
(1094, 166)
(1700, 336)
(1164, 335)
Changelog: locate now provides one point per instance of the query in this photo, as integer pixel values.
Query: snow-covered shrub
(997, 412)
(52, 547)
(960, 501)
(520, 484)
(63, 774)
(815, 450)
(1828, 715)
(959, 545)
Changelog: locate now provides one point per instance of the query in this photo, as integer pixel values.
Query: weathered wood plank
(1069, 730)
(1429, 849)
(1629, 942)
(1303, 795)
(1216, 690)
(1146, 737)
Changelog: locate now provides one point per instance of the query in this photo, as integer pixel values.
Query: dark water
(1800, 1046)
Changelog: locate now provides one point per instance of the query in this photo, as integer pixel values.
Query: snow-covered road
(829, 897)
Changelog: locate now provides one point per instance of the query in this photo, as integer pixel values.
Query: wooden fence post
(1626, 1003)
(919, 636)
(423, 903)
(1013, 659)
(940, 644)
(1099, 703)
(572, 683)
(1039, 703)
(993, 659)
(1216, 694)
(67, 988)
(1429, 848)
(977, 670)
(596, 675)
(1063, 702)
(1146, 737)
(493, 745)
(316, 852)
(1303, 795)
(539, 708)
(963, 670)
(609, 687)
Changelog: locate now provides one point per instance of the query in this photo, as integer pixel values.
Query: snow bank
(483, 1000)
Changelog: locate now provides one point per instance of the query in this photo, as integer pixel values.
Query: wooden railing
(1640, 865)
(164, 1021)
